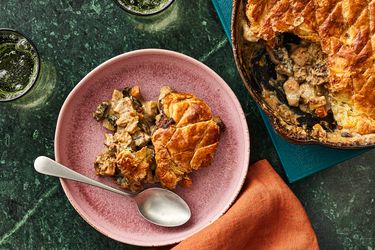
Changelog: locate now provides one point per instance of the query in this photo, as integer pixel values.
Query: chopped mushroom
(100, 111)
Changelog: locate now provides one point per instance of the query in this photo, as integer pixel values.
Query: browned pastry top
(345, 29)
(270, 17)
(186, 139)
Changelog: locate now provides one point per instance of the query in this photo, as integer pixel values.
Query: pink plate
(79, 138)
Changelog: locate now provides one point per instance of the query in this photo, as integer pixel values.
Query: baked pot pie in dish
(310, 66)
(152, 142)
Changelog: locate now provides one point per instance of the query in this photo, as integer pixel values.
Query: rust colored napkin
(266, 215)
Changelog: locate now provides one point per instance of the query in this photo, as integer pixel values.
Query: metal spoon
(157, 205)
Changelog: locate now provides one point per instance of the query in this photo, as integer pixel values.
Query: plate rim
(195, 62)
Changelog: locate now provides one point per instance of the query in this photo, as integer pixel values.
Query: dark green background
(75, 36)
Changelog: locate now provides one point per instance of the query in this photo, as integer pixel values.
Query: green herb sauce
(143, 6)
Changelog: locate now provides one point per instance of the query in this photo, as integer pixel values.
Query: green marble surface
(74, 36)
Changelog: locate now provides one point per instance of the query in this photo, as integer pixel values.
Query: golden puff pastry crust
(345, 30)
(187, 137)
(347, 36)
(269, 17)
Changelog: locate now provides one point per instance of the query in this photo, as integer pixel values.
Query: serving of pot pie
(153, 142)
(323, 53)
(186, 139)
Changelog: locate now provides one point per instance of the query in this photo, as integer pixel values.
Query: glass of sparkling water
(19, 64)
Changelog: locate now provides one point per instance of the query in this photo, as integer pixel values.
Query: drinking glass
(19, 64)
(144, 7)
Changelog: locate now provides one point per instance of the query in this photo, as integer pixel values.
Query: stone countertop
(73, 37)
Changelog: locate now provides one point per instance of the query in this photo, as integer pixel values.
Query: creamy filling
(303, 71)
(129, 154)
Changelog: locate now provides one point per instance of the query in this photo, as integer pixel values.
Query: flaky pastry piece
(187, 137)
(345, 30)
(268, 18)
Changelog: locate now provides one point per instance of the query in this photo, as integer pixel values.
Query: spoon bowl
(162, 207)
(157, 205)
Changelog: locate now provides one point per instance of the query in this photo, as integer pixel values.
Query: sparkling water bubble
(3, 73)
(22, 45)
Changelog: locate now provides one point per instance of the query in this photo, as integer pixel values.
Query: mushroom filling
(129, 153)
(302, 71)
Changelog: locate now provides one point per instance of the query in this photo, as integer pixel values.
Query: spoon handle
(47, 166)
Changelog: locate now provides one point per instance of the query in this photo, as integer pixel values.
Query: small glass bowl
(145, 13)
(8, 35)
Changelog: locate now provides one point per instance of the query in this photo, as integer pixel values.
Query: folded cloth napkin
(266, 215)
